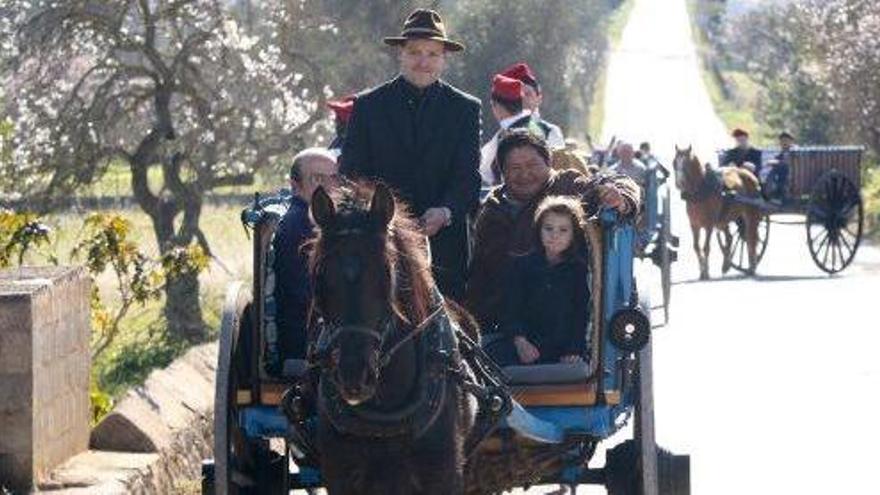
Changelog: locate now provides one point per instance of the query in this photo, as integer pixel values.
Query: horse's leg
(751, 221)
(342, 463)
(707, 245)
(695, 233)
(726, 248)
(440, 458)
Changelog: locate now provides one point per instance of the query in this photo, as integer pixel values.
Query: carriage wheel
(230, 443)
(666, 257)
(638, 466)
(834, 222)
(736, 245)
(242, 465)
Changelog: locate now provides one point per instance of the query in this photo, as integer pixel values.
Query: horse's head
(357, 266)
(686, 166)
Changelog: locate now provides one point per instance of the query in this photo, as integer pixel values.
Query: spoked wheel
(242, 465)
(638, 466)
(231, 463)
(834, 222)
(732, 240)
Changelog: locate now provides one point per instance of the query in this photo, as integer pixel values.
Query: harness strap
(386, 356)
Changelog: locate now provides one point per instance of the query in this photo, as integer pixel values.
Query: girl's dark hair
(518, 138)
(571, 208)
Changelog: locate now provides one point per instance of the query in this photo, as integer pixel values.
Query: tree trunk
(183, 310)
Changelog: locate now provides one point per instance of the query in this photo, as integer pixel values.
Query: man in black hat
(420, 135)
(743, 155)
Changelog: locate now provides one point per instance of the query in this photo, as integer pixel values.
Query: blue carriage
(558, 414)
(656, 241)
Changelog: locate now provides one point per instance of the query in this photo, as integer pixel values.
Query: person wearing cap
(504, 226)
(286, 330)
(507, 108)
(776, 180)
(627, 164)
(533, 96)
(743, 154)
(342, 109)
(420, 135)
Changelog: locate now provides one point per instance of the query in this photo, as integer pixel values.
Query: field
(143, 344)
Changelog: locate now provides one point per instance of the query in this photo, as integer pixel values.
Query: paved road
(771, 383)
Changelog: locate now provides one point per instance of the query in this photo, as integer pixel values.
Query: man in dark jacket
(286, 335)
(743, 154)
(422, 137)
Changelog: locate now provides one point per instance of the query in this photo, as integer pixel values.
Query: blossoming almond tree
(168, 85)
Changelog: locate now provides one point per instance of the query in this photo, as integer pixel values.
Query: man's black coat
(739, 156)
(426, 145)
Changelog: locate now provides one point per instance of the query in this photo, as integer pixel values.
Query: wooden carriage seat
(566, 384)
(272, 389)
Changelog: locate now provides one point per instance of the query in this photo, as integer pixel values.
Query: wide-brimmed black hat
(424, 24)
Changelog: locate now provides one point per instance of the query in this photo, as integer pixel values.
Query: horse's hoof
(725, 268)
(704, 276)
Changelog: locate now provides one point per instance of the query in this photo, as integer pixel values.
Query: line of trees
(207, 93)
(817, 62)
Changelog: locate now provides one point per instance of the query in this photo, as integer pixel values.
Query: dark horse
(392, 418)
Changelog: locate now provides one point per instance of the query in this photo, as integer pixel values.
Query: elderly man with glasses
(311, 168)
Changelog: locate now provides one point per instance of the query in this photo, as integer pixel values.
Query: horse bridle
(329, 334)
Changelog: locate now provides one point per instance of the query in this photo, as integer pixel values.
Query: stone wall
(155, 439)
(44, 371)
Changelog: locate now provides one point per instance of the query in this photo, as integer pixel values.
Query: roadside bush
(21, 233)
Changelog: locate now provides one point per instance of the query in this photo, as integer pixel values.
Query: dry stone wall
(44, 371)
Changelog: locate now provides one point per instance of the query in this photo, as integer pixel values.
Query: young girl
(548, 298)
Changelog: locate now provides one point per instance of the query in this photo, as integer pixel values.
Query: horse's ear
(690, 149)
(382, 205)
(322, 207)
(676, 148)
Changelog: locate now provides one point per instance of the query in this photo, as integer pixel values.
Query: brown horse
(707, 208)
(394, 418)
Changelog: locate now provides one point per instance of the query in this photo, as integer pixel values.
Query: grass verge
(735, 96)
(871, 196)
(143, 343)
(616, 23)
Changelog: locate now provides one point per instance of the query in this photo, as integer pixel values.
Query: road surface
(771, 383)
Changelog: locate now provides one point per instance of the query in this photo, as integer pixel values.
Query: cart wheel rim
(737, 247)
(834, 224)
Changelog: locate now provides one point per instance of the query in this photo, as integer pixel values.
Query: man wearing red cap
(507, 108)
(342, 109)
(532, 98)
(743, 154)
(421, 136)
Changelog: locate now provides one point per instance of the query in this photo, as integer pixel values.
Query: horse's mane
(404, 252)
